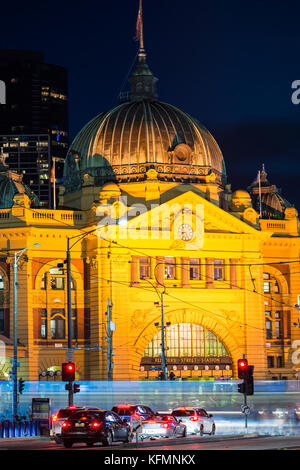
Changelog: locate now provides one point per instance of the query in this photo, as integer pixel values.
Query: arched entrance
(193, 351)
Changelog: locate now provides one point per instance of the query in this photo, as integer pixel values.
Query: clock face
(185, 232)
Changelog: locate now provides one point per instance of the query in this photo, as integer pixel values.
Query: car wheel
(213, 431)
(108, 440)
(184, 433)
(129, 437)
(68, 444)
(201, 430)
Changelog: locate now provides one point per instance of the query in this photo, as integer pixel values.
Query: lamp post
(163, 344)
(17, 256)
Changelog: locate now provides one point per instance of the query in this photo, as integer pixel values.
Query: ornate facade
(227, 275)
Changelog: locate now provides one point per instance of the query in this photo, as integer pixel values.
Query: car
(59, 417)
(163, 425)
(91, 426)
(127, 411)
(197, 420)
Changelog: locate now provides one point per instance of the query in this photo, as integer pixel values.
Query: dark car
(94, 426)
(60, 416)
(128, 411)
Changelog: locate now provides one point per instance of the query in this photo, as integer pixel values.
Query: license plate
(151, 431)
(79, 425)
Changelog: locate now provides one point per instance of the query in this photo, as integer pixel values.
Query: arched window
(187, 340)
(55, 279)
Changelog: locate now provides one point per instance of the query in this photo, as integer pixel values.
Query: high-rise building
(33, 118)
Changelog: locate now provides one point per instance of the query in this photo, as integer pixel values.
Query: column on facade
(233, 274)
(209, 274)
(185, 272)
(135, 271)
(159, 270)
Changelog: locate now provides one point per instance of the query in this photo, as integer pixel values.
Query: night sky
(230, 64)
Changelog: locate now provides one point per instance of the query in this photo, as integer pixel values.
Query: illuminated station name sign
(222, 362)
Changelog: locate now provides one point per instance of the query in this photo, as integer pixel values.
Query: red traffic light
(242, 368)
(68, 372)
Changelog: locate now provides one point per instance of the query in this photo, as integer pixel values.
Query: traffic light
(242, 368)
(245, 372)
(21, 385)
(76, 388)
(249, 384)
(68, 372)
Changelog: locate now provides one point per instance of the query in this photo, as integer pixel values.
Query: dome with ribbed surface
(124, 142)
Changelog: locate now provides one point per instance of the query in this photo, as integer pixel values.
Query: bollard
(12, 429)
(1, 429)
(6, 429)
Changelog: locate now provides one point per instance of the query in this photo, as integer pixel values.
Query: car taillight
(151, 421)
(166, 425)
(95, 424)
(65, 424)
(194, 418)
(54, 418)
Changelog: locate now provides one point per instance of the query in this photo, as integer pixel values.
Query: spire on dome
(143, 82)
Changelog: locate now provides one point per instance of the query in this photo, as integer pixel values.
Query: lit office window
(195, 272)
(219, 270)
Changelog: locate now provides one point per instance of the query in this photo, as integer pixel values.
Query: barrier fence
(9, 428)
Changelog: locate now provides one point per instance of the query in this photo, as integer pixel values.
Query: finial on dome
(140, 34)
(143, 82)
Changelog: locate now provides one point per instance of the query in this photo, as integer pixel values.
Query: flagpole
(259, 192)
(54, 185)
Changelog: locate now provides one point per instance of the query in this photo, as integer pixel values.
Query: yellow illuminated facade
(227, 270)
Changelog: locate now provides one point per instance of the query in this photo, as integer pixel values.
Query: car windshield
(124, 410)
(88, 415)
(183, 412)
(66, 413)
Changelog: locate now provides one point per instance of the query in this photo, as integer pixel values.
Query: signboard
(136, 424)
(41, 408)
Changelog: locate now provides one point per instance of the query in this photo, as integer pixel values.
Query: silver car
(197, 420)
(163, 425)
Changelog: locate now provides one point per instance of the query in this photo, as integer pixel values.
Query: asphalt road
(242, 442)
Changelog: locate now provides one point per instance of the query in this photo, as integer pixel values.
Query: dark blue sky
(229, 64)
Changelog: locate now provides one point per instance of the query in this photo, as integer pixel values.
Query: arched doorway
(192, 351)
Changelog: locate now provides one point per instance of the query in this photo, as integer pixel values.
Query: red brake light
(151, 421)
(166, 425)
(194, 418)
(65, 424)
(95, 424)
(54, 418)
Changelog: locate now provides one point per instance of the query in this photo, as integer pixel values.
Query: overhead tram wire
(153, 257)
(181, 264)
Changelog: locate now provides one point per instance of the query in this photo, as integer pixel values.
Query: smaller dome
(10, 185)
(240, 200)
(110, 191)
(267, 199)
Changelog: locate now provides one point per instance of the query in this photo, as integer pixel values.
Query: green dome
(10, 185)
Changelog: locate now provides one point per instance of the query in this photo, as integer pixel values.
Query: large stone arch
(212, 322)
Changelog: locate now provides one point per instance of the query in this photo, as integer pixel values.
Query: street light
(163, 346)
(17, 256)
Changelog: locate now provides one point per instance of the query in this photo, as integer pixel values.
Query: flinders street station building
(157, 239)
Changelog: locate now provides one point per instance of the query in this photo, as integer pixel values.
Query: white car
(197, 420)
(60, 416)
